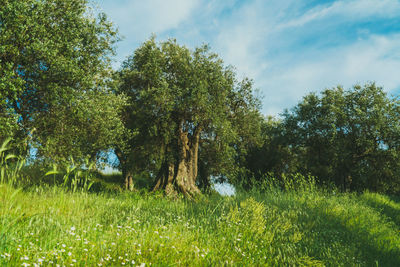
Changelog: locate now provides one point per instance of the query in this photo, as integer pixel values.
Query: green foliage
(172, 88)
(267, 158)
(10, 165)
(348, 137)
(75, 178)
(89, 128)
(54, 68)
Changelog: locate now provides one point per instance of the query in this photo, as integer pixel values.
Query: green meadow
(51, 226)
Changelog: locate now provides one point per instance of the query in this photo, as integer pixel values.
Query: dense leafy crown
(54, 57)
(172, 88)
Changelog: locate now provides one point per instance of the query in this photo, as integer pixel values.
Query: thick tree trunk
(129, 182)
(126, 175)
(180, 176)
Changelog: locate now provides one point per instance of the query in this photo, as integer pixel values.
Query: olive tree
(182, 102)
(348, 137)
(54, 69)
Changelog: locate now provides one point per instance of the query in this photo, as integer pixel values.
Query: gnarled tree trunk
(126, 175)
(179, 176)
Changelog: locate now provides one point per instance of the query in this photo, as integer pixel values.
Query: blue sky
(288, 47)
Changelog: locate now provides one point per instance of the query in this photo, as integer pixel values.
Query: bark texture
(179, 176)
(126, 175)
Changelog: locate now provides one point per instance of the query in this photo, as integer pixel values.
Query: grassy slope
(273, 228)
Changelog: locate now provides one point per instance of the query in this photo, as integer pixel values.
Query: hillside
(49, 226)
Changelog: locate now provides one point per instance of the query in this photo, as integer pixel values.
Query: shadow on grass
(384, 205)
(340, 231)
(370, 242)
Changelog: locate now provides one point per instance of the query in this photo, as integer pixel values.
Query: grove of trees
(348, 138)
(177, 115)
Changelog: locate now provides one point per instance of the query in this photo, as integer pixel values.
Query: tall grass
(275, 226)
(10, 165)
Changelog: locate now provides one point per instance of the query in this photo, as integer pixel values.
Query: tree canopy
(184, 104)
(348, 138)
(54, 67)
(179, 115)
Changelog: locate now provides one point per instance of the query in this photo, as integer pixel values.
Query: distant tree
(351, 138)
(54, 70)
(188, 108)
(270, 156)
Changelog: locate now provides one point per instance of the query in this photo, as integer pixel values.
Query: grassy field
(51, 225)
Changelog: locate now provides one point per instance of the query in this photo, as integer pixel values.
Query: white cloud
(250, 39)
(353, 10)
(267, 40)
(374, 59)
(138, 19)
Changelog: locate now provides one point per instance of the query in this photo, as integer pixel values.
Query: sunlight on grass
(271, 228)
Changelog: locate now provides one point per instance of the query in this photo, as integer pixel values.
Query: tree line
(179, 116)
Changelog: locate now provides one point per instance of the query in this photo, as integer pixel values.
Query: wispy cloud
(374, 59)
(137, 20)
(346, 10)
(288, 47)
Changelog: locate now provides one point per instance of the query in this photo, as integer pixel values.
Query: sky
(288, 47)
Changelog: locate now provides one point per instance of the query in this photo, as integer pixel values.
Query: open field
(50, 226)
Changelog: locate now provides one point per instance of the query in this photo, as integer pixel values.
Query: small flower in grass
(73, 228)
(25, 264)
(73, 260)
(25, 258)
(63, 245)
(69, 253)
